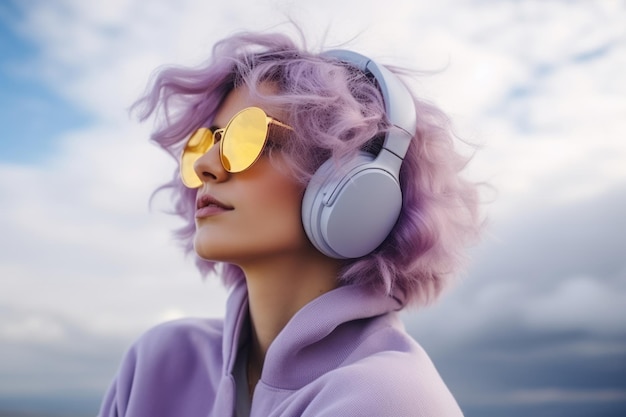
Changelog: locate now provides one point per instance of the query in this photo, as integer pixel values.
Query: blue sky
(33, 113)
(537, 326)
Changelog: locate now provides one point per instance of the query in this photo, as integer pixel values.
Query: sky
(536, 326)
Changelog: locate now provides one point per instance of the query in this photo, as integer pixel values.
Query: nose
(209, 167)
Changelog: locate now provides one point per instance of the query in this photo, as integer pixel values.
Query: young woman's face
(256, 213)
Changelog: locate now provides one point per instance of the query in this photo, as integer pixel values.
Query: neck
(276, 291)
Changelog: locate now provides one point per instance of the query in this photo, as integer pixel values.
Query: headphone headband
(399, 105)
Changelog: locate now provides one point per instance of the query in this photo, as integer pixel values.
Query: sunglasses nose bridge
(208, 166)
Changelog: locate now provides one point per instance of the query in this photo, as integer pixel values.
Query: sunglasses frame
(187, 171)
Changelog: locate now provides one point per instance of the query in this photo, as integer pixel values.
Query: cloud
(580, 303)
(562, 262)
(79, 241)
(541, 317)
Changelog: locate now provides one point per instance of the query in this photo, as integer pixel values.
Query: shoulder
(395, 382)
(179, 339)
(174, 348)
(173, 365)
(181, 332)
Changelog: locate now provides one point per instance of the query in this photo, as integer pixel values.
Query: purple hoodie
(344, 354)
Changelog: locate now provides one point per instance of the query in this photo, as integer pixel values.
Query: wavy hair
(335, 111)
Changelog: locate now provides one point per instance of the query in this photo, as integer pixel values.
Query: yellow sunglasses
(241, 143)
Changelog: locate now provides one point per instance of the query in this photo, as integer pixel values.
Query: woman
(328, 198)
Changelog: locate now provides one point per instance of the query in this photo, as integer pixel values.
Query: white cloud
(30, 328)
(579, 303)
(79, 239)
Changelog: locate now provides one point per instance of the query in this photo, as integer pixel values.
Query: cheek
(285, 201)
(282, 205)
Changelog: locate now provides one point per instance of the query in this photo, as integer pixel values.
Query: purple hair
(335, 111)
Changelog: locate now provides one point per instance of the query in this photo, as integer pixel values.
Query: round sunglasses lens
(199, 143)
(244, 139)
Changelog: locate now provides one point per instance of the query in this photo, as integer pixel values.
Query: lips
(207, 205)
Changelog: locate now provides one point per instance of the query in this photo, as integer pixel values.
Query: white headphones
(350, 216)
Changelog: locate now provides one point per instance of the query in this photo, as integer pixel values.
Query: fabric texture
(345, 354)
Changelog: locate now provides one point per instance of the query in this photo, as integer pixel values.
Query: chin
(217, 252)
(206, 250)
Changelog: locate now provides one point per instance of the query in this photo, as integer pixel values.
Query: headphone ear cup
(350, 216)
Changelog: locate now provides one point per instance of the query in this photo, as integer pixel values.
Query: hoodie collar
(317, 339)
